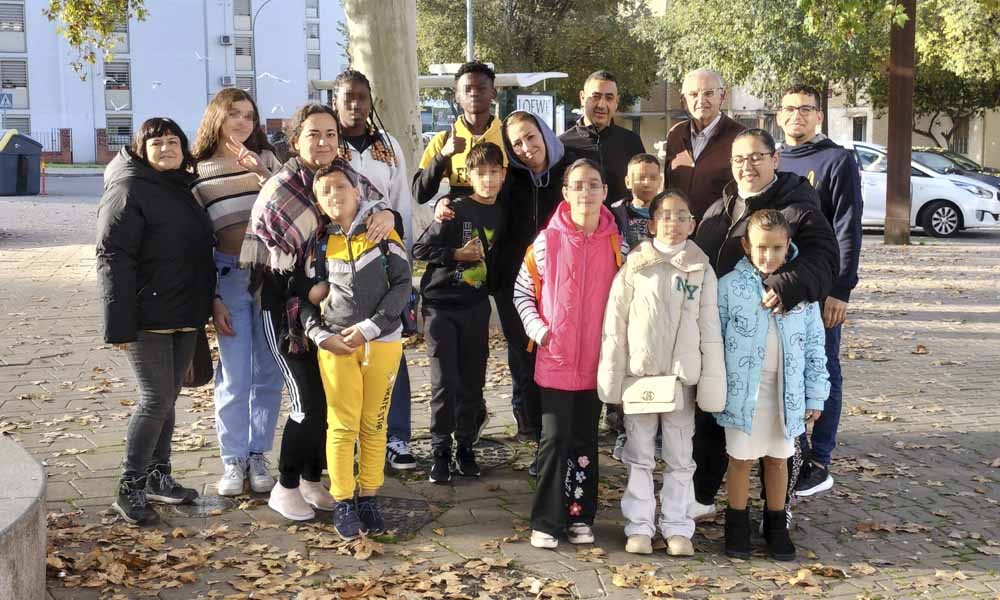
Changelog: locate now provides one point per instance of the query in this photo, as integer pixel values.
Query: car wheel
(941, 219)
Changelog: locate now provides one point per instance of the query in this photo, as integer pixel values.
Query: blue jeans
(824, 431)
(248, 381)
(399, 409)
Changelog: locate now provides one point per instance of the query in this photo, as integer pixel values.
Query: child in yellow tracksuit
(363, 289)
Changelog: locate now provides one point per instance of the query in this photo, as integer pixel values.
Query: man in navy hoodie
(834, 174)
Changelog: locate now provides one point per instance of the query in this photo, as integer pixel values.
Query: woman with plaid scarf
(283, 229)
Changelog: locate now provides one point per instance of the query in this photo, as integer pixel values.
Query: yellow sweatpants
(357, 401)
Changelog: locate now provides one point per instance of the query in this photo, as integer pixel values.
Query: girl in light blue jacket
(776, 382)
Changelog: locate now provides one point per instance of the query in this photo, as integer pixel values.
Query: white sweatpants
(639, 501)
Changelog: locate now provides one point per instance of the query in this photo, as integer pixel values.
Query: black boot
(779, 544)
(526, 430)
(738, 533)
(162, 487)
(132, 504)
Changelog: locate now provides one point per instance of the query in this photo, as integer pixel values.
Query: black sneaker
(371, 517)
(533, 467)
(482, 420)
(161, 487)
(398, 455)
(813, 479)
(441, 470)
(465, 462)
(132, 503)
(346, 520)
(525, 431)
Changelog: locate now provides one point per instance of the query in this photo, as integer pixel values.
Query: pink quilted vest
(575, 285)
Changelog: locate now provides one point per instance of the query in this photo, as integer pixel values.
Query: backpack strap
(536, 281)
(616, 247)
(319, 258)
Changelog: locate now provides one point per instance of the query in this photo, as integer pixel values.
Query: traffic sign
(6, 101)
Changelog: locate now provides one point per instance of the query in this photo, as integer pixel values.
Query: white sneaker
(233, 478)
(316, 495)
(288, 502)
(616, 453)
(540, 539)
(698, 511)
(261, 481)
(678, 545)
(580, 533)
(639, 544)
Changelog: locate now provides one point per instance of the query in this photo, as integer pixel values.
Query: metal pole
(253, 45)
(468, 31)
(901, 74)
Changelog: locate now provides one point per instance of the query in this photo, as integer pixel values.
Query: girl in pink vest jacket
(560, 295)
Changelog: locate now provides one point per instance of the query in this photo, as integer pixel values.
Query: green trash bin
(20, 164)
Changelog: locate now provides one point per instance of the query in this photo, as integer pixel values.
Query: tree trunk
(902, 61)
(825, 107)
(383, 46)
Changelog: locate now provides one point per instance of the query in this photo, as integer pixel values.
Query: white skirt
(767, 430)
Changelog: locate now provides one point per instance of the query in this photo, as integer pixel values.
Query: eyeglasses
(754, 159)
(804, 110)
(707, 94)
(586, 187)
(677, 217)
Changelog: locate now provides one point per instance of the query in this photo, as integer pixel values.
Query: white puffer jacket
(656, 299)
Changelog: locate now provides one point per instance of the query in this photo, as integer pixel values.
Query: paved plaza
(914, 513)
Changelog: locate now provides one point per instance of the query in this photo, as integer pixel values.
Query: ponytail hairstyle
(381, 147)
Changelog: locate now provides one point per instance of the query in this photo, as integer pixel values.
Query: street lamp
(253, 45)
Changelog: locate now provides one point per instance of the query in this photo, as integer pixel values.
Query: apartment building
(171, 65)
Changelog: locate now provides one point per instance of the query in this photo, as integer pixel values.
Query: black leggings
(303, 443)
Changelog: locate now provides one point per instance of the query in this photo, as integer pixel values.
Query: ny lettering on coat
(689, 288)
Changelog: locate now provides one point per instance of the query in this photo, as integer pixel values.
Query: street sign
(6, 101)
(543, 105)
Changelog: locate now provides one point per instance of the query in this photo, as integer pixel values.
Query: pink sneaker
(289, 503)
(316, 495)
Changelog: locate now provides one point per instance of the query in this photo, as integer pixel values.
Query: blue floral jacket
(745, 322)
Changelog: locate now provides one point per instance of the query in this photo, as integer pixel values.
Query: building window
(119, 131)
(22, 123)
(243, 44)
(12, 28)
(313, 72)
(959, 141)
(860, 133)
(312, 9)
(14, 80)
(241, 15)
(120, 33)
(749, 121)
(117, 86)
(771, 126)
(312, 36)
(246, 83)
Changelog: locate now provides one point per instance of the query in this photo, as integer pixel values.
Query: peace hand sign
(247, 159)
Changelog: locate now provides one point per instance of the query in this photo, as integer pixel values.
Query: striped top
(227, 190)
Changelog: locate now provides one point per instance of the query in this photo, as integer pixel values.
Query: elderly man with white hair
(698, 149)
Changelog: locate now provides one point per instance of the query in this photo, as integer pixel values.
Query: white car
(942, 204)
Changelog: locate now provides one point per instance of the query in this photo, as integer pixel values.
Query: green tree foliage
(88, 25)
(575, 37)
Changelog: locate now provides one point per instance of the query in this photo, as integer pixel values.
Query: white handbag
(656, 394)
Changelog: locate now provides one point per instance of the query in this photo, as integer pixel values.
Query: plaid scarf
(283, 231)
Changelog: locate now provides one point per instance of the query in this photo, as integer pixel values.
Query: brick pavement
(913, 514)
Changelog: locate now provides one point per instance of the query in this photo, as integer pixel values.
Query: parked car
(952, 163)
(942, 203)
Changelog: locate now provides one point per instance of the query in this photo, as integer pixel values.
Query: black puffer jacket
(810, 276)
(154, 251)
(611, 147)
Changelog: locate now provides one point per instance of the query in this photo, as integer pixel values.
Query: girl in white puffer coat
(662, 319)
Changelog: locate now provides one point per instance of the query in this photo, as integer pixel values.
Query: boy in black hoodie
(457, 311)
(834, 174)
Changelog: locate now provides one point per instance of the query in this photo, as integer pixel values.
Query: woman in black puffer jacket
(157, 276)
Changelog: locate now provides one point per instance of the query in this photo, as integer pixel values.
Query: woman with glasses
(758, 185)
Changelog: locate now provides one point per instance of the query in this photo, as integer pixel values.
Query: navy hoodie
(834, 174)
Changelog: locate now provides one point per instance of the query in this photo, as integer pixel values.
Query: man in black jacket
(834, 174)
(595, 135)
(806, 279)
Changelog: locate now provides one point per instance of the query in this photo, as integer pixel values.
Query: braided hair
(381, 148)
